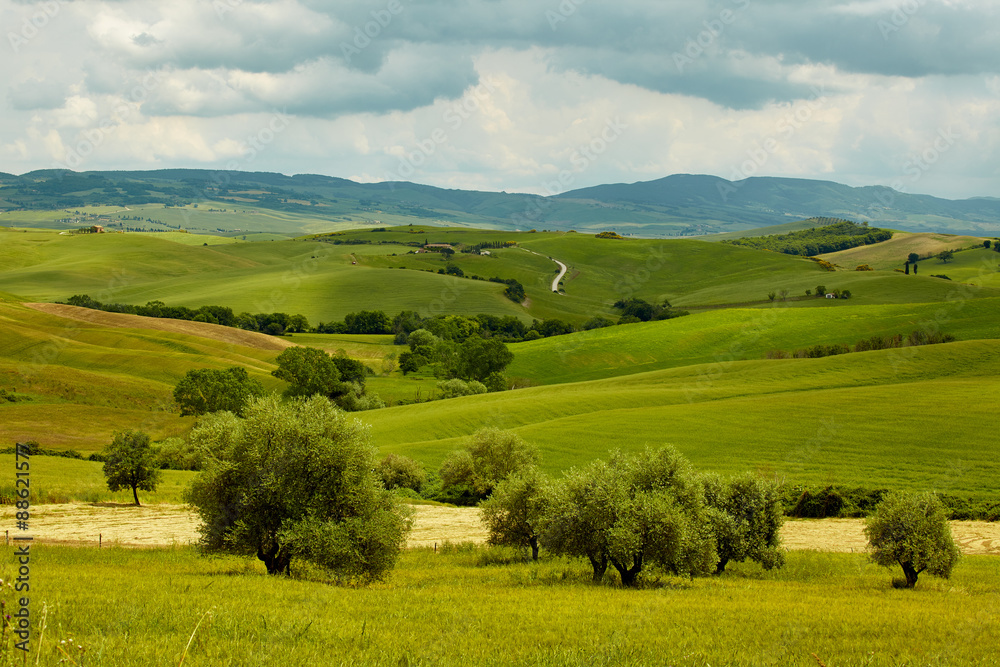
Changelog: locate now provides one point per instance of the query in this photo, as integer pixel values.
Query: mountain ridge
(675, 205)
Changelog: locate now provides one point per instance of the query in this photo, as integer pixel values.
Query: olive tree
(634, 511)
(296, 480)
(129, 463)
(912, 531)
(513, 513)
(745, 513)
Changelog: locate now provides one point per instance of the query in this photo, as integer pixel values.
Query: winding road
(562, 272)
(562, 269)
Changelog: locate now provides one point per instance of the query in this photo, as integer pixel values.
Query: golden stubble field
(163, 525)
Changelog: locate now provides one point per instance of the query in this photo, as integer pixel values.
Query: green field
(462, 607)
(882, 419)
(56, 479)
(324, 281)
(85, 381)
(744, 333)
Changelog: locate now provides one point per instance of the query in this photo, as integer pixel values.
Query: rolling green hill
(880, 419)
(885, 418)
(84, 381)
(741, 333)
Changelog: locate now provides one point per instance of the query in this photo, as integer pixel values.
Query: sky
(539, 96)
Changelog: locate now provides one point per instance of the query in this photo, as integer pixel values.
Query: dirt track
(159, 525)
(124, 321)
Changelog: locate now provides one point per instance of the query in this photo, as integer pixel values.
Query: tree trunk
(534, 548)
(911, 574)
(629, 574)
(600, 567)
(275, 561)
(135, 494)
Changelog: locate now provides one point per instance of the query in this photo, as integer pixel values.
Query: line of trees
(840, 235)
(632, 512)
(915, 338)
(274, 324)
(298, 481)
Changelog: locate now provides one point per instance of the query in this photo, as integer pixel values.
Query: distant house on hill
(439, 245)
(830, 296)
(96, 229)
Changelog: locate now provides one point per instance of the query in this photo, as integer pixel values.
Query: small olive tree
(296, 480)
(746, 517)
(129, 463)
(634, 511)
(514, 512)
(912, 531)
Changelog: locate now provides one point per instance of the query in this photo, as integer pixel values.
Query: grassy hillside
(317, 280)
(892, 254)
(84, 381)
(763, 231)
(743, 333)
(324, 280)
(908, 419)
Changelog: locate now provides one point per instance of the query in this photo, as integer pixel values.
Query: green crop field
(85, 381)
(324, 281)
(744, 333)
(470, 606)
(55, 479)
(882, 419)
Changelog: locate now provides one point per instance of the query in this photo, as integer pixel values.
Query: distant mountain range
(682, 204)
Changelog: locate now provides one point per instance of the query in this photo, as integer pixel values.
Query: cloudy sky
(518, 95)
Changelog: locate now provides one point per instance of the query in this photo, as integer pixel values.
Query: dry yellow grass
(166, 524)
(892, 254)
(218, 332)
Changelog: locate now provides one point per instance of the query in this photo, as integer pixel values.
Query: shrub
(178, 454)
(454, 388)
(401, 472)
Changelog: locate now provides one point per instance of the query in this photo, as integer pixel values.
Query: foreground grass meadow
(473, 606)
